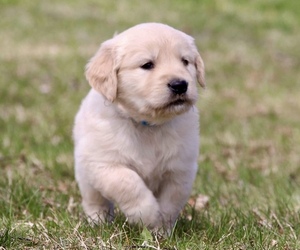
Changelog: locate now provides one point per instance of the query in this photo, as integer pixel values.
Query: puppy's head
(149, 71)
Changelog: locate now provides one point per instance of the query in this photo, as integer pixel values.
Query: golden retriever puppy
(136, 133)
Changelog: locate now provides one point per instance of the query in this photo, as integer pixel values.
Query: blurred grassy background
(250, 116)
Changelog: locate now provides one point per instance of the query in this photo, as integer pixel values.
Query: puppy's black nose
(178, 86)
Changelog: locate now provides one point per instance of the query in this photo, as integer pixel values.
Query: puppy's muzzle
(178, 86)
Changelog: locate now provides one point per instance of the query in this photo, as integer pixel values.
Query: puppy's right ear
(101, 71)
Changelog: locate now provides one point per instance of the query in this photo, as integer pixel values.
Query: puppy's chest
(152, 153)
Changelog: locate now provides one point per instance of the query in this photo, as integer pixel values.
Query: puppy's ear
(101, 71)
(200, 71)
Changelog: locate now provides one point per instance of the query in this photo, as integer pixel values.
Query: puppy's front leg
(173, 195)
(126, 188)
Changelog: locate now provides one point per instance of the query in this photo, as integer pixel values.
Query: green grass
(250, 122)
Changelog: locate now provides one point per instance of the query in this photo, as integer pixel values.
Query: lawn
(249, 165)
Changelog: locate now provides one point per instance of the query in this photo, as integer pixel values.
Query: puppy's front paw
(147, 213)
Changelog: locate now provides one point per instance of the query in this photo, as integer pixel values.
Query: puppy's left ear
(101, 71)
(200, 71)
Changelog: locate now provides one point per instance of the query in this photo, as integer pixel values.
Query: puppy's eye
(185, 62)
(148, 66)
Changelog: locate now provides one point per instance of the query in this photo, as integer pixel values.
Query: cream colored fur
(133, 146)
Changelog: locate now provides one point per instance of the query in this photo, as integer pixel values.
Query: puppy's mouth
(177, 102)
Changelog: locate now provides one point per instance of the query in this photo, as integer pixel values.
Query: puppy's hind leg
(96, 207)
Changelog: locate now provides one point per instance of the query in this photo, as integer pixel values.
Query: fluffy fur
(136, 141)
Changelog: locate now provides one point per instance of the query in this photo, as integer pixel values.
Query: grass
(250, 154)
